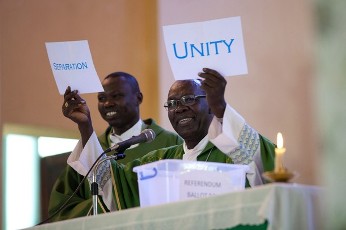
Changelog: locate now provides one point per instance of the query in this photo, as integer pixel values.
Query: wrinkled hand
(214, 84)
(75, 107)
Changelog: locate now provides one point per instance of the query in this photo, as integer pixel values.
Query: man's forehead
(116, 82)
(184, 87)
(195, 83)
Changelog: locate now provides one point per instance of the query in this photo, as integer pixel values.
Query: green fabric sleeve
(267, 153)
(79, 204)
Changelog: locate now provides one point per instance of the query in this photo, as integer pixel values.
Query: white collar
(133, 131)
(191, 154)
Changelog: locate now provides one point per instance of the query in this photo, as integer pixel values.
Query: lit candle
(279, 152)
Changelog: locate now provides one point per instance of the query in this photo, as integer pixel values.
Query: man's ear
(139, 98)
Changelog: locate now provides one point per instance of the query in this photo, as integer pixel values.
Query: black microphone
(147, 135)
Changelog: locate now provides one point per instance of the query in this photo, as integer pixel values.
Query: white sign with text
(216, 44)
(72, 65)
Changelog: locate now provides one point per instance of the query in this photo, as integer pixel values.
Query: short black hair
(131, 79)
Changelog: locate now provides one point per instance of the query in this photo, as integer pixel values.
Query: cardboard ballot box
(174, 180)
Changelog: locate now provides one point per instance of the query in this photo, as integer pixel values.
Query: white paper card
(72, 65)
(216, 44)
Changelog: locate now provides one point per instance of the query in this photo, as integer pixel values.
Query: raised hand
(214, 85)
(75, 108)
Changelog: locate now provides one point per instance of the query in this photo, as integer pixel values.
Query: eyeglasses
(186, 100)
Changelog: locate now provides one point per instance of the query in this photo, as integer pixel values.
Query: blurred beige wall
(121, 35)
(277, 93)
(331, 97)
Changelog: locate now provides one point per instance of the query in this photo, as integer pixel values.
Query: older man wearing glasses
(212, 131)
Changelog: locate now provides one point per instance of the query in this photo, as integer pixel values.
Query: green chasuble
(81, 203)
(125, 183)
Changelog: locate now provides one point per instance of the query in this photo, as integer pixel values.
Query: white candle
(279, 152)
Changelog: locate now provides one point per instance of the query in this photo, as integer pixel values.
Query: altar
(275, 206)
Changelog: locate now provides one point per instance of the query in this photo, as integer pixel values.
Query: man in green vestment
(212, 131)
(119, 106)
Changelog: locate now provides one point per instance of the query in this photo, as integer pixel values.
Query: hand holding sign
(72, 66)
(217, 44)
(214, 85)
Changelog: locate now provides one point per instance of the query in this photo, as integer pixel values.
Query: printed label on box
(199, 184)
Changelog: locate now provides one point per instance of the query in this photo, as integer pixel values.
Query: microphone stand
(94, 185)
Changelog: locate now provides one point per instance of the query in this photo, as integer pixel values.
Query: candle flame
(280, 140)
